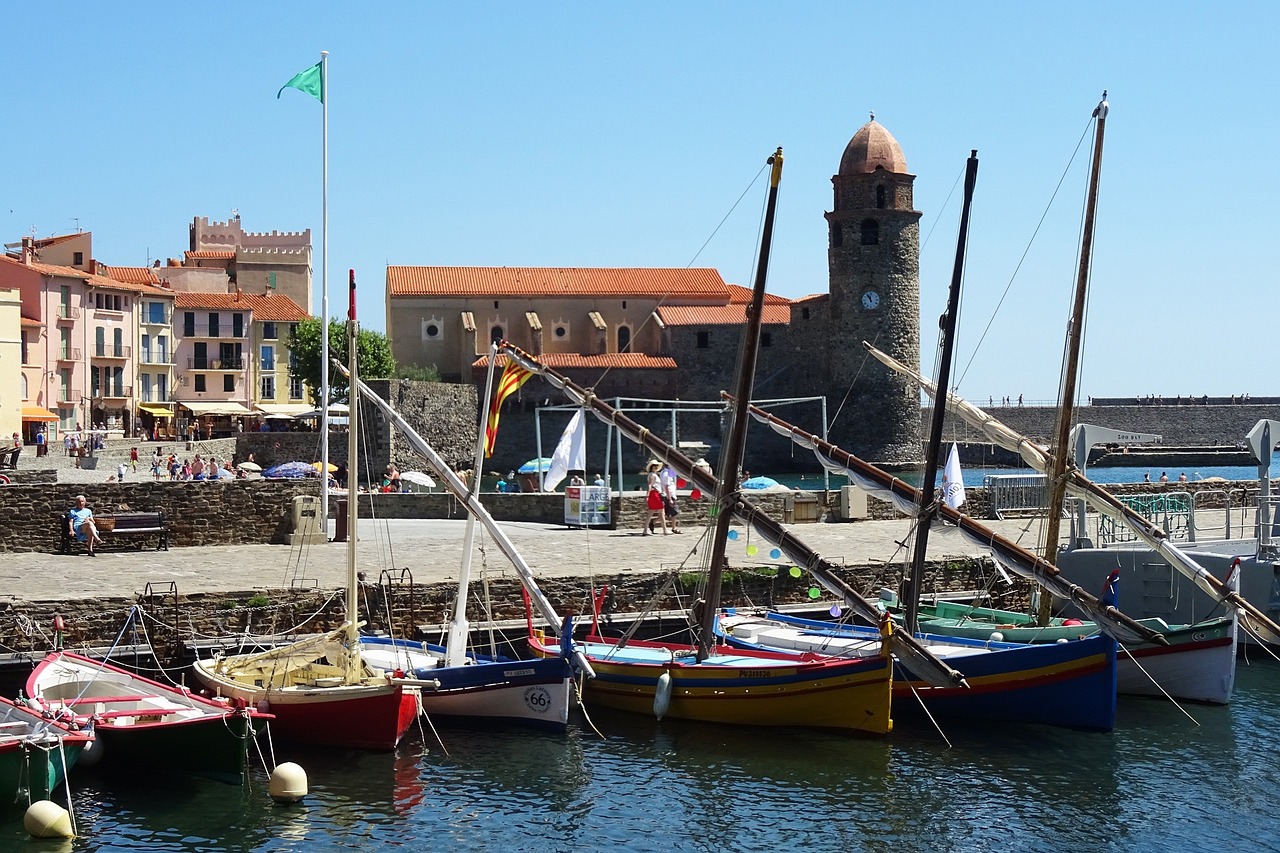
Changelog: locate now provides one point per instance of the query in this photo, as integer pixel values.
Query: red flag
(513, 376)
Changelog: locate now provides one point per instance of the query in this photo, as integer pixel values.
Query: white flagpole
(324, 297)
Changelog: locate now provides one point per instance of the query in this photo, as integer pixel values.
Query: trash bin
(340, 520)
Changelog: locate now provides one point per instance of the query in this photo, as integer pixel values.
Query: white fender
(662, 695)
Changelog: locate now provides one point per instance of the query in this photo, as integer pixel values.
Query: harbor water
(1161, 781)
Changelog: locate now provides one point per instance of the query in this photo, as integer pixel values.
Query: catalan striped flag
(513, 376)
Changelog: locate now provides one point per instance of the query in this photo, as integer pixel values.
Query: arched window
(870, 232)
(495, 334)
(25, 395)
(880, 196)
(624, 339)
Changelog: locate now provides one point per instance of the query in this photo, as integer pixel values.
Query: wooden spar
(904, 645)
(1081, 486)
(928, 500)
(731, 462)
(1071, 363)
(1006, 551)
(353, 485)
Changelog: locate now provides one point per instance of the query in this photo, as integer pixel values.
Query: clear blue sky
(611, 134)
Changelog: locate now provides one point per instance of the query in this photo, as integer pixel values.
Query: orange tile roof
(220, 254)
(29, 322)
(720, 315)
(275, 307)
(614, 360)
(135, 275)
(813, 297)
(740, 294)
(656, 283)
(90, 279)
(53, 241)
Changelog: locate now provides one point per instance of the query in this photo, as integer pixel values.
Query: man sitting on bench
(80, 517)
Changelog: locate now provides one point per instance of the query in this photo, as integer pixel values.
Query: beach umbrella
(249, 466)
(291, 470)
(226, 474)
(418, 477)
(319, 465)
(533, 466)
(760, 484)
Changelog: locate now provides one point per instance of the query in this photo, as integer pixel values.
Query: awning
(224, 407)
(37, 413)
(287, 410)
(160, 411)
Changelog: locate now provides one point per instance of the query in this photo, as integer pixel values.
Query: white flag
(952, 481)
(571, 453)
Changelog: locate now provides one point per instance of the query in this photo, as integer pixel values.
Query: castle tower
(873, 259)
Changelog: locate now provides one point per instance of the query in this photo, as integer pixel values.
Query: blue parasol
(761, 483)
(533, 466)
(291, 471)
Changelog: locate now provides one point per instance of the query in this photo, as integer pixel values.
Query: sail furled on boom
(1080, 486)
(906, 647)
(1011, 556)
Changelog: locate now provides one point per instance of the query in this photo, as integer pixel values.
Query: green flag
(310, 81)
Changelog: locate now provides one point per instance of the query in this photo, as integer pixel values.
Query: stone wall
(226, 512)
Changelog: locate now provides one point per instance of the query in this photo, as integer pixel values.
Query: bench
(9, 457)
(117, 529)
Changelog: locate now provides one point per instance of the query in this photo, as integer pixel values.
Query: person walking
(133, 459)
(653, 498)
(667, 481)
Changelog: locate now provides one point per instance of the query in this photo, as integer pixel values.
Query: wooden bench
(119, 528)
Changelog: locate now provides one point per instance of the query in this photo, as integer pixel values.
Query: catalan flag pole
(314, 81)
(513, 376)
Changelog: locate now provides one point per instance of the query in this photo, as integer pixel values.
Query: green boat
(35, 754)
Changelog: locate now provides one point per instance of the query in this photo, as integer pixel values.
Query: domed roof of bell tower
(872, 147)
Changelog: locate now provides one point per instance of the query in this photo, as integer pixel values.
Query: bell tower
(873, 261)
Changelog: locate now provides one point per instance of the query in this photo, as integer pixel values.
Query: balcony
(69, 395)
(68, 313)
(153, 357)
(111, 351)
(215, 363)
(122, 393)
(68, 354)
(203, 330)
(148, 319)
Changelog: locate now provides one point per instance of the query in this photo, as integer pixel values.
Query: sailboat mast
(731, 464)
(928, 495)
(353, 481)
(1071, 361)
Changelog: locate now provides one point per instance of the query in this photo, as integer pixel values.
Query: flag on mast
(513, 376)
(952, 480)
(570, 453)
(310, 81)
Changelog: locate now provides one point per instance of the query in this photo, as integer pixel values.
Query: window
(561, 332)
(293, 329)
(624, 339)
(804, 313)
(431, 329)
(162, 349)
(495, 334)
(269, 332)
(155, 312)
(162, 388)
(228, 382)
(213, 324)
(624, 305)
(146, 349)
(268, 388)
(295, 388)
(117, 381)
(704, 340)
(99, 341)
(117, 340)
(95, 382)
(64, 379)
(880, 196)
(200, 352)
(188, 323)
(64, 344)
(766, 339)
(495, 303)
(267, 355)
(870, 232)
(24, 387)
(237, 325)
(200, 382)
(77, 259)
(146, 387)
(24, 352)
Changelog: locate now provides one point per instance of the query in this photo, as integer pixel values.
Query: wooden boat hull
(356, 716)
(742, 688)
(34, 754)
(533, 693)
(1070, 684)
(144, 723)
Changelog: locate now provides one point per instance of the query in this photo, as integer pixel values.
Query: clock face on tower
(871, 300)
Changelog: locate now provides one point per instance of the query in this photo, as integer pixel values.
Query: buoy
(662, 695)
(47, 819)
(91, 754)
(996, 637)
(288, 783)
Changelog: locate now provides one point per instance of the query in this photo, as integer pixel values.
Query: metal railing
(1172, 512)
(1017, 493)
(69, 354)
(115, 393)
(111, 351)
(149, 357)
(68, 312)
(215, 363)
(69, 395)
(203, 330)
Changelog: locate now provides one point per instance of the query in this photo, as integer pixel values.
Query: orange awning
(37, 413)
